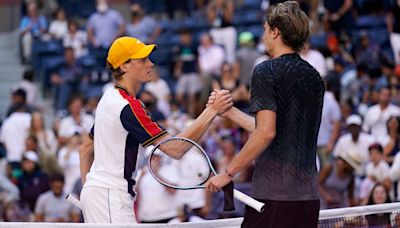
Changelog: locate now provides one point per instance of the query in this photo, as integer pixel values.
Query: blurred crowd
(201, 45)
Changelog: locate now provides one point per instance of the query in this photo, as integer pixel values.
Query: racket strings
(180, 164)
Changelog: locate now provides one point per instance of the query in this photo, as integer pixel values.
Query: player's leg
(103, 205)
(95, 203)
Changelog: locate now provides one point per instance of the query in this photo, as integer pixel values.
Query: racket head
(185, 165)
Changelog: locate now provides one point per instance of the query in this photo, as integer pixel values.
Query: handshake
(220, 102)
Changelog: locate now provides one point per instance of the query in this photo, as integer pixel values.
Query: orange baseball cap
(125, 48)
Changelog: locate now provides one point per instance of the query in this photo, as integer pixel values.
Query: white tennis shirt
(122, 124)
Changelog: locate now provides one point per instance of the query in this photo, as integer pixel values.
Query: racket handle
(72, 199)
(258, 206)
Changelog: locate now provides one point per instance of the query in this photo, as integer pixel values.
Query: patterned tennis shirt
(289, 86)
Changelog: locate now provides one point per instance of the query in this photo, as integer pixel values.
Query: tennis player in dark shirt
(286, 98)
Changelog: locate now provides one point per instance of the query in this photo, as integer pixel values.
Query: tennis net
(377, 216)
(381, 215)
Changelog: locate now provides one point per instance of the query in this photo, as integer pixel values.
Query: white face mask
(102, 7)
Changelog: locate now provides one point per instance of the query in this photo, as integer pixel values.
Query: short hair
(20, 92)
(28, 75)
(57, 177)
(376, 146)
(291, 22)
(116, 73)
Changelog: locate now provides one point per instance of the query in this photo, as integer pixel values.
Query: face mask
(135, 13)
(102, 7)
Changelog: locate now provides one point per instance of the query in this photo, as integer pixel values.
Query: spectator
(32, 26)
(150, 102)
(67, 79)
(211, 57)
(48, 162)
(28, 85)
(336, 182)
(329, 130)
(33, 182)
(377, 171)
(13, 134)
(377, 116)
(315, 59)
(46, 138)
(104, 26)
(246, 57)
(185, 69)
(59, 26)
(240, 92)
(338, 15)
(358, 86)
(76, 122)
(53, 207)
(355, 143)
(392, 145)
(366, 51)
(77, 39)
(18, 100)
(220, 17)
(394, 177)
(379, 195)
(178, 120)
(385, 80)
(159, 88)
(142, 27)
(68, 159)
(393, 27)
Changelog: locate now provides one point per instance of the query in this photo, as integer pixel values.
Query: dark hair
(73, 22)
(28, 75)
(33, 138)
(370, 198)
(20, 92)
(57, 177)
(291, 22)
(74, 98)
(376, 146)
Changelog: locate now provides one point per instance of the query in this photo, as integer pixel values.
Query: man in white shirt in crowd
(13, 133)
(315, 58)
(211, 56)
(52, 205)
(329, 129)
(375, 120)
(76, 122)
(160, 89)
(355, 142)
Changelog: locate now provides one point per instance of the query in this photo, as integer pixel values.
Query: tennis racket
(182, 164)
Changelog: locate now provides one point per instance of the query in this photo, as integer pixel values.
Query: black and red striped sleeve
(138, 122)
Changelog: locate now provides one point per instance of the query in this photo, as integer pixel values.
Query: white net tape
(221, 223)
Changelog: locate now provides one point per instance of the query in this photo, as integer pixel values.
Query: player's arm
(240, 118)
(222, 102)
(262, 136)
(86, 156)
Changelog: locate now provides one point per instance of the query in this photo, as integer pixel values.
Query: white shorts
(104, 205)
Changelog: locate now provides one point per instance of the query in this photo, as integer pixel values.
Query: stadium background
(354, 53)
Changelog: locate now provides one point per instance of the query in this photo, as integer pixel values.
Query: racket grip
(72, 199)
(258, 206)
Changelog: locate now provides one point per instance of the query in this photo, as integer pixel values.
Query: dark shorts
(283, 214)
